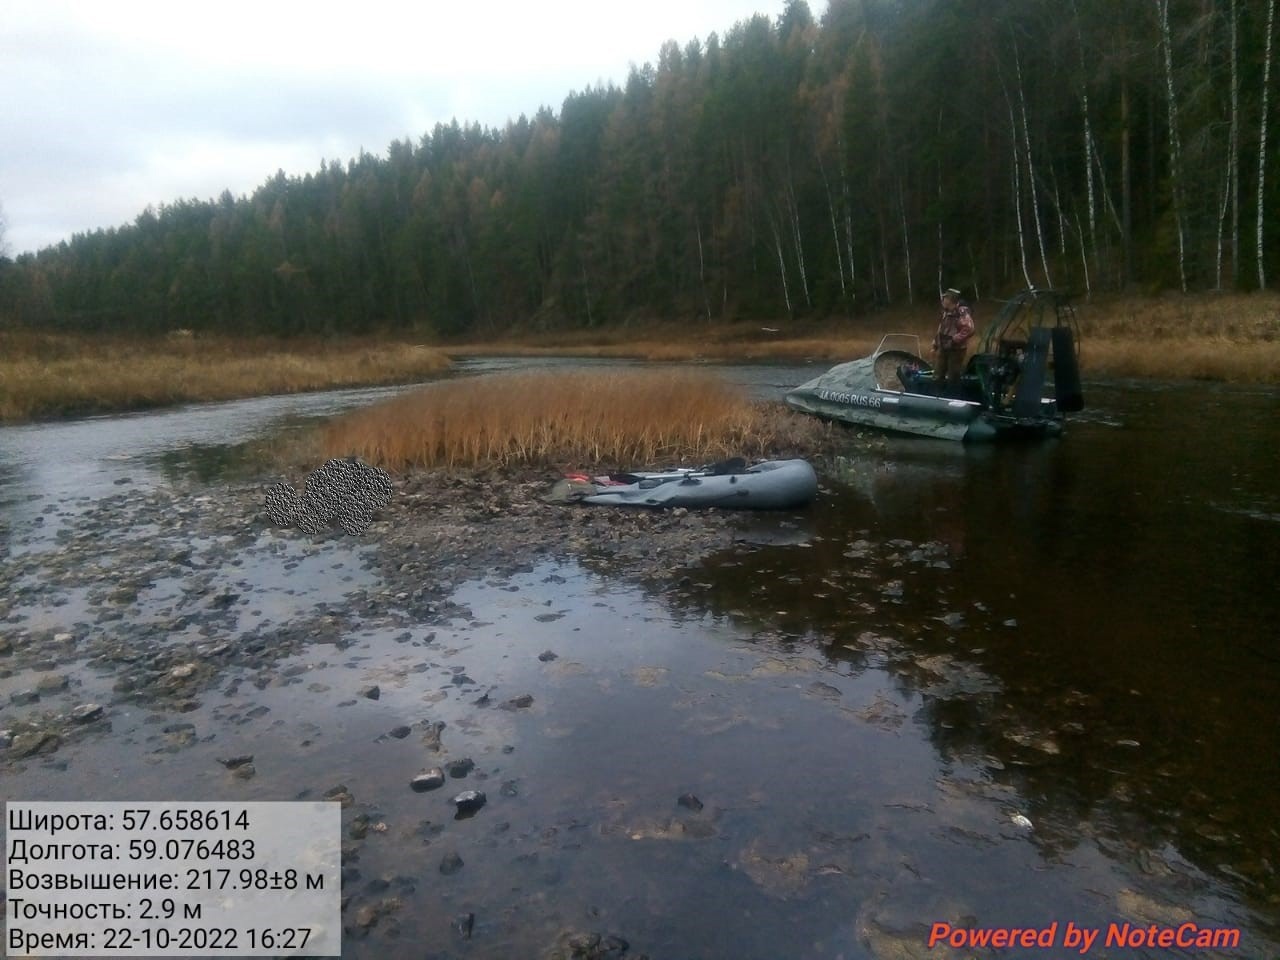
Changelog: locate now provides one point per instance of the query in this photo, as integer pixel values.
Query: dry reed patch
(1184, 359)
(1242, 317)
(50, 374)
(609, 420)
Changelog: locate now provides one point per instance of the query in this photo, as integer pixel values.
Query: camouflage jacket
(955, 329)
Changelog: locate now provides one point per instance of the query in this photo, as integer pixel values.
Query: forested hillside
(812, 165)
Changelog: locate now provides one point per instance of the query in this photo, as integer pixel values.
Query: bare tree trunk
(1088, 166)
(1016, 168)
(798, 239)
(1175, 149)
(1062, 218)
(884, 257)
(1105, 190)
(782, 264)
(1031, 173)
(1233, 162)
(702, 269)
(586, 288)
(973, 273)
(1088, 138)
(939, 171)
(906, 242)
(1126, 181)
(1222, 217)
(835, 232)
(848, 219)
(1262, 140)
(1084, 258)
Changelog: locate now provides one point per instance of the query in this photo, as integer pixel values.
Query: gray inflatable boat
(768, 485)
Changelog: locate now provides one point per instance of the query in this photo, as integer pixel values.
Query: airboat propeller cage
(1039, 322)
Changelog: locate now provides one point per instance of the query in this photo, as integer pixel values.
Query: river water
(1003, 686)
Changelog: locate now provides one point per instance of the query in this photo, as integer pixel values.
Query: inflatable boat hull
(770, 485)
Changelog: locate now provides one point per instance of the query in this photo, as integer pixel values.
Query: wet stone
(371, 692)
(464, 924)
(431, 738)
(519, 703)
(24, 698)
(689, 802)
(460, 768)
(450, 863)
(180, 734)
(51, 684)
(31, 744)
(399, 733)
(431, 780)
(548, 655)
(824, 690)
(87, 713)
(468, 802)
(341, 794)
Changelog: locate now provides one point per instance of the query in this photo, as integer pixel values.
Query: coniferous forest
(817, 164)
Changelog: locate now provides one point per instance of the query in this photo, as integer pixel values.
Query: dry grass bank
(1231, 337)
(1224, 337)
(614, 420)
(43, 375)
(1190, 358)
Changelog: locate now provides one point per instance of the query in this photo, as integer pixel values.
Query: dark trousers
(946, 375)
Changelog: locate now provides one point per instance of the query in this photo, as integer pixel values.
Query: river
(1009, 686)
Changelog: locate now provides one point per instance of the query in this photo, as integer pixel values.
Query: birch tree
(1175, 149)
(1262, 141)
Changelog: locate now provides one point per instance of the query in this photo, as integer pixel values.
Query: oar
(721, 469)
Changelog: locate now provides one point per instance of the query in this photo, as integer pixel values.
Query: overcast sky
(111, 105)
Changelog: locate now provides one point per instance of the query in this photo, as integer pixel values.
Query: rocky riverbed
(146, 629)
(155, 587)
(549, 739)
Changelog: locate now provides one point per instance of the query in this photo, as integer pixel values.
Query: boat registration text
(854, 399)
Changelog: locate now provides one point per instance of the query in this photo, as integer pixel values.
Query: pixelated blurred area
(346, 491)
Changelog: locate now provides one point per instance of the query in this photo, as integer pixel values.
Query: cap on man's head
(951, 292)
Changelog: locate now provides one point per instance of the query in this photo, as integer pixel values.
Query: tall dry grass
(44, 375)
(1224, 337)
(611, 420)
(1187, 359)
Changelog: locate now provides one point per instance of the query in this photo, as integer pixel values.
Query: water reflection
(1087, 629)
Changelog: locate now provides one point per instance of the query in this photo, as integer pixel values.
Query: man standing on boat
(951, 344)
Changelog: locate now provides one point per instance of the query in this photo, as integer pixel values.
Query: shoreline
(1229, 338)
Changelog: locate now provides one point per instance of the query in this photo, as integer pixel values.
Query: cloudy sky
(111, 106)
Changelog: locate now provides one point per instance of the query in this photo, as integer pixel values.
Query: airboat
(1021, 382)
